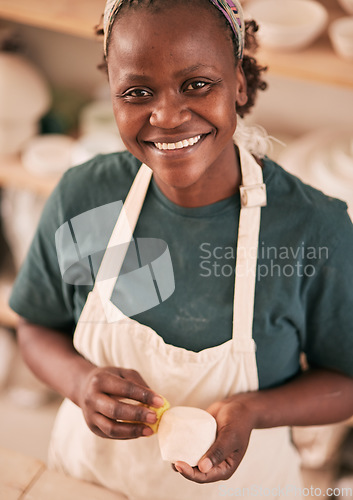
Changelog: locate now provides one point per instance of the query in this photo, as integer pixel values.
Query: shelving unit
(74, 17)
(318, 63)
(77, 18)
(14, 175)
(8, 317)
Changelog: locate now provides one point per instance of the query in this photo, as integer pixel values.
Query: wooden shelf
(12, 174)
(318, 63)
(8, 317)
(74, 17)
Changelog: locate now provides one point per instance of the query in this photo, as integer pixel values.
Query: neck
(210, 188)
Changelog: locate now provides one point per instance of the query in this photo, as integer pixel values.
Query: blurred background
(55, 113)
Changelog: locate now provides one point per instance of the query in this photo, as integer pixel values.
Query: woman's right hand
(101, 399)
(98, 391)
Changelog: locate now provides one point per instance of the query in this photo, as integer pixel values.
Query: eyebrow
(134, 77)
(193, 68)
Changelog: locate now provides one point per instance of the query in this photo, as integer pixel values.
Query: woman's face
(175, 86)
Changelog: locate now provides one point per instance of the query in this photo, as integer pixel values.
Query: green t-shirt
(303, 299)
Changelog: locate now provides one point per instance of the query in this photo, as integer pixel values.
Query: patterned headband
(231, 9)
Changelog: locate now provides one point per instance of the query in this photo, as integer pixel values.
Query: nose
(169, 112)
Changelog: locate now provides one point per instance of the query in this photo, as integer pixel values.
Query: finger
(118, 410)
(219, 473)
(132, 375)
(190, 472)
(112, 384)
(225, 449)
(135, 376)
(96, 430)
(214, 408)
(120, 430)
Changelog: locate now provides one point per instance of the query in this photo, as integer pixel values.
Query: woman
(178, 78)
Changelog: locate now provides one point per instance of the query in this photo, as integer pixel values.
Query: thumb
(222, 448)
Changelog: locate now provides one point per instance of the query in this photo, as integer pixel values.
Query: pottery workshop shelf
(318, 63)
(12, 174)
(8, 318)
(77, 17)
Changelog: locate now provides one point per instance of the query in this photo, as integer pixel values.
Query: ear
(242, 95)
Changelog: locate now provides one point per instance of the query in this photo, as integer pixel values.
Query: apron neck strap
(122, 235)
(252, 198)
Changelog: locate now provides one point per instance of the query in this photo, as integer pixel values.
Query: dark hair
(252, 70)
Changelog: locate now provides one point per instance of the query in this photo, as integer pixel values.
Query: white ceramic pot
(94, 143)
(347, 5)
(14, 135)
(288, 25)
(24, 99)
(97, 116)
(341, 35)
(48, 154)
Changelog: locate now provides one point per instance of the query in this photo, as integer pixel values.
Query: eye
(198, 84)
(136, 93)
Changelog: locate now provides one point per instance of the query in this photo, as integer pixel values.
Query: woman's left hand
(234, 426)
(315, 397)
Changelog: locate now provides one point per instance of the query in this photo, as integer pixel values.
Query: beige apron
(106, 337)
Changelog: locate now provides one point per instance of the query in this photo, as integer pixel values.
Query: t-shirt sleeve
(40, 295)
(329, 305)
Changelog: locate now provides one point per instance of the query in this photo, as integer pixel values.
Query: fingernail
(151, 417)
(179, 469)
(205, 465)
(158, 401)
(147, 431)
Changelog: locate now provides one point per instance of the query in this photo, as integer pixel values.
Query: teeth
(177, 145)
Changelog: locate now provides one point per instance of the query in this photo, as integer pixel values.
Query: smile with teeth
(177, 145)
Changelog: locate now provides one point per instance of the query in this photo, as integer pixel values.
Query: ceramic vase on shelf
(24, 99)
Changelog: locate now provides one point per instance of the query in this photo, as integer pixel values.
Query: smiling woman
(227, 342)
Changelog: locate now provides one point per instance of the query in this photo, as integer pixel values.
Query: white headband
(231, 9)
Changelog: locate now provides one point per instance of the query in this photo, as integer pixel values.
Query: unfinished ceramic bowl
(346, 5)
(185, 434)
(288, 25)
(341, 35)
(48, 154)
